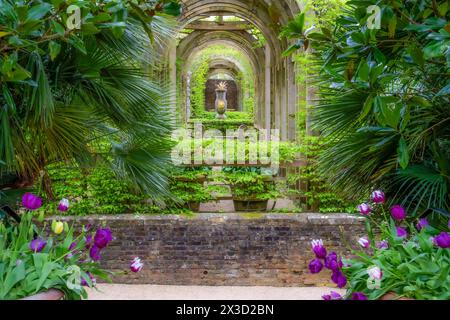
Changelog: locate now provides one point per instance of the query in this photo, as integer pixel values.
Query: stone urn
(221, 103)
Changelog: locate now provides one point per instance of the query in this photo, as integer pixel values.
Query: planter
(394, 296)
(250, 205)
(52, 294)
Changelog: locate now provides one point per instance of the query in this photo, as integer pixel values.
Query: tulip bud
(375, 273)
(63, 205)
(136, 265)
(442, 240)
(398, 212)
(401, 232)
(364, 209)
(364, 242)
(315, 266)
(423, 223)
(31, 201)
(378, 196)
(57, 227)
(318, 249)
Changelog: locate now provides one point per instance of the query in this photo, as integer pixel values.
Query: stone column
(188, 96)
(267, 89)
(173, 74)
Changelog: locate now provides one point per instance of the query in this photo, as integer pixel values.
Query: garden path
(154, 292)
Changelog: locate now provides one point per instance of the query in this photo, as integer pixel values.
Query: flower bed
(397, 259)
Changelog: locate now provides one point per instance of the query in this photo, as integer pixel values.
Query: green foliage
(198, 86)
(96, 191)
(316, 190)
(249, 184)
(24, 272)
(64, 89)
(200, 67)
(188, 185)
(384, 102)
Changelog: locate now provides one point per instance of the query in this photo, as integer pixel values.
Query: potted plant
(250, 189)
(188, 186)
(397, 259)
(42, 264)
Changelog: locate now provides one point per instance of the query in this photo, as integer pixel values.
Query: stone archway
(276, 98)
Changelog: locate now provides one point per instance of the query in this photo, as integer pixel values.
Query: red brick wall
(223, 249)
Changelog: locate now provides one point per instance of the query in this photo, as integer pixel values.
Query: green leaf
(172, 8)
(392, 26)
(38, 11)
(14, 276)
(444, 91)
(77, 43)
(57, 28)
(403, 153)
(54, 49)
(416, 54)
(364, 70)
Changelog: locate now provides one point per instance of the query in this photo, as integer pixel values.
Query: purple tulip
(94, 253)
(423, 223)
(31, 201)
(89, 241)
(398, 212)
(332, 296)
(72, 250)
(102, 238)
(359, 296)
(91, 277)
(442, 240)
(332, 262)
(364, 242)
(318, 249)
(37, 245)
(339, 278)
(63, 205)
(136, 265)
(72, 246)
(401, 232)
(384, 244)
(364, 209)
(315, 266)
(378, 196)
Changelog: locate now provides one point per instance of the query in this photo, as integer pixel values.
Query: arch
(276, 97)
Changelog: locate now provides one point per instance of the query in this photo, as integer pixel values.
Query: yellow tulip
(58, 227)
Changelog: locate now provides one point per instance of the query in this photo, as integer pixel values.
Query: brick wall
(223, 249)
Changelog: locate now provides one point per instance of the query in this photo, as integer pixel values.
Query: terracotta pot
(52, 294)
(393, 296)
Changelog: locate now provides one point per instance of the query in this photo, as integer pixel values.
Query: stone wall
(223, 249)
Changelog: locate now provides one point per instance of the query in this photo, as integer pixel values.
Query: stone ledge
(312, 218)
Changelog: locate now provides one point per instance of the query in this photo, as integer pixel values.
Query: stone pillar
(188, 96)
(267, 89)
(173, 74)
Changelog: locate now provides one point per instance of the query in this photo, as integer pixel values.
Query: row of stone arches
(276, 92)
